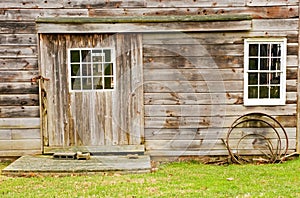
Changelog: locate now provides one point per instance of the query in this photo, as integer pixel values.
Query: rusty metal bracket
(37, 78)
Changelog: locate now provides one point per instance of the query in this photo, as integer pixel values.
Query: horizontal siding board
(202, 86)
(274, 24)
(18, 64)
(191, 98)
(19, 134)
(257, 12)
(187, 62)
(173, 154)
(17, 76)
(184, 62)
(214, 110)
(196, 145)
(194, 75)
(206, 75)
(18, 39)
(204, 122)
(20, 123)
(208, 134)
(271, 3)
(31, 4)
(19, 111)
(102, 4)
(145, 27)
(32, 14)
(18, 51)
(17, 153)
(215, 37)
(19, 88)
(192, 3)
(197, 50)
(200, 98)
(28, 144)
(19, 100)
(5, 134)
(17, 27)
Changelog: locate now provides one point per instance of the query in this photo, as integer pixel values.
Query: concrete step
(46, 165)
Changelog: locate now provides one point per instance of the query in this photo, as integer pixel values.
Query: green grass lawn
(184, 179)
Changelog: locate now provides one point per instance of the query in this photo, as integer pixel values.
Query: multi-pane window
(265, 72)
(91, 69)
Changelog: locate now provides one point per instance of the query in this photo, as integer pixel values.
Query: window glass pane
(86, 83)
(275, 64)
(264, 92)
(75, 70)
(264, 49)
(253, 64)
(92, 69)
(263, 79)
(253, 50)
(275, 92)
(98, 59)
(108, 83)
(107, 55)
(86, 70)
(108, 69)
(276, 50)
(253, 78)
(86, 56)
(75, 56)
(253, 92)
(275, 78)
(264, 64)
(97, 69)
(76, 83)
(98, 83)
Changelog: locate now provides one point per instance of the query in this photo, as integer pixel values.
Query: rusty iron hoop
(245, 118)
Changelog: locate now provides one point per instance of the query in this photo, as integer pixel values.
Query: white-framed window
(265, 71)
(91, 69)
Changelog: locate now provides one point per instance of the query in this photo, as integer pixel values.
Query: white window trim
(113, 57)
(268, 101)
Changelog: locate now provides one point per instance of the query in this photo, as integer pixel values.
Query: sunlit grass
(184, 179)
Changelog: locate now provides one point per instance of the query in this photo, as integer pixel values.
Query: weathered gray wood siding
(183, 100)
(92, 118)
(194, 81)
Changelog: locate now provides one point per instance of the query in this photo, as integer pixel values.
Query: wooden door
(93, 118)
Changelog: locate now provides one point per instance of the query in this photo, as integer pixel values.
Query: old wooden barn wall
(183, 107)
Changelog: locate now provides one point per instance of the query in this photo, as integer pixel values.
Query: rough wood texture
(189, 75)
(93, 118)
(194, 90)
